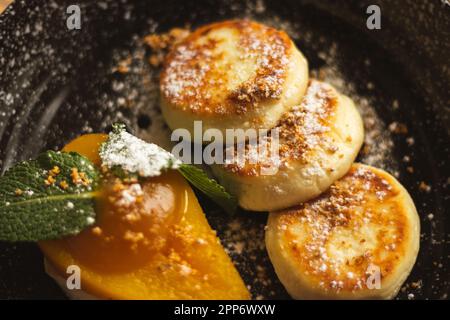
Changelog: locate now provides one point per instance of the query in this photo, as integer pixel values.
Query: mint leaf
(47, 198)
(199, 179)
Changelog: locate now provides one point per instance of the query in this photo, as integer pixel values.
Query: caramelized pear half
(151, 240)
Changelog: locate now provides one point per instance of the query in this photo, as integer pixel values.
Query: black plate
(56, 84)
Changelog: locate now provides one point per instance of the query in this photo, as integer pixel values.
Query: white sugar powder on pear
(135, 155)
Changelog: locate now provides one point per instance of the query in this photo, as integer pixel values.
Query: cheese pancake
(235, 74)
(318, 141)
(358, 240)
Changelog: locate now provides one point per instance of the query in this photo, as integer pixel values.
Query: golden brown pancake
(318, 141)
(235, 74)
(335, 246)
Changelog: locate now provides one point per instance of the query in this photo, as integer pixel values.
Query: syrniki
(359, 240)
(318, 141)
(232, 75)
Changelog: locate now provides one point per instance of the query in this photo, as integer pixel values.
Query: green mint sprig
(54, 195)
(47, 198)
(199, 179)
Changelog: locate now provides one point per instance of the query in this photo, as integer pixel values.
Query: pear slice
(151, 240)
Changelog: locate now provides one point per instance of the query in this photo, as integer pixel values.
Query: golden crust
(318, 141)
(361, 221)
(301, 130)
(196, 77)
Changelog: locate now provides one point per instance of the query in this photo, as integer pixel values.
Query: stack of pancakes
(336, 229)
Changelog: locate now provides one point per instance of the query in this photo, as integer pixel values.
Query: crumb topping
(79, 177)
(160, 44)
(301, 130)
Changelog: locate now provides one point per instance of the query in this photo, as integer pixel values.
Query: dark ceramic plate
(56, 84)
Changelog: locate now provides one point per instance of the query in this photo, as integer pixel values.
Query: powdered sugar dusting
(135, 155)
